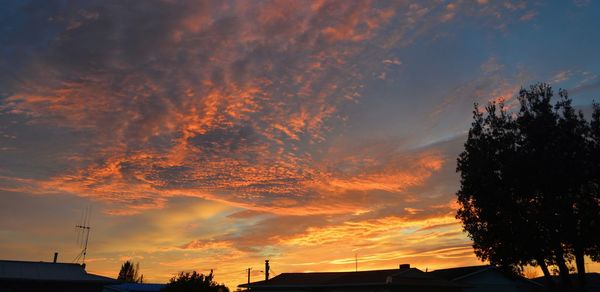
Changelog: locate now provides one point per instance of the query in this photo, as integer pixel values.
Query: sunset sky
(217, 134)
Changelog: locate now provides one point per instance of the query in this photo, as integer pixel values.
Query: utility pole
(356, 262)
(249, 276)
(266, 270)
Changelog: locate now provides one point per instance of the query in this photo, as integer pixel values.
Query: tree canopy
(194, 282)
(530, 183)
(130, 273)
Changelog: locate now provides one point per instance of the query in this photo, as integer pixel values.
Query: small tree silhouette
(129, 273)
(194, 282)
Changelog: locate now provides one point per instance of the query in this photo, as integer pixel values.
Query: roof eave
(349, 285)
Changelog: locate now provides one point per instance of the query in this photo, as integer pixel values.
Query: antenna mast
(84, 230)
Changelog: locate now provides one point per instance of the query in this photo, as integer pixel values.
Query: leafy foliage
(129, 273)
(529, 190)
(190, 282)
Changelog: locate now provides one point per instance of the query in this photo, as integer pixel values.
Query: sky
(217, 134)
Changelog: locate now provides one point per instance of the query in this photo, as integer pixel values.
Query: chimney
(266, 270)
(404, 266)
(55, 257)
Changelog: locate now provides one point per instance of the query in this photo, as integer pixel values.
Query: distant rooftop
(45, 271)
(397, 277)
(134, 287)
(461, 274)
(452, 274)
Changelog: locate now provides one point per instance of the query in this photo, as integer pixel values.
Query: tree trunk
(580, 261)
(563, 272)
(549, 281)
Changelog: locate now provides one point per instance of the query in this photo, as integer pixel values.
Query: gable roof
(453, 274)
(44, 271)
(460, 273)
(134, 287)
(397, 277)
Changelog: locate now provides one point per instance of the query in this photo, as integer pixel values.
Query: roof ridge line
(489, 267)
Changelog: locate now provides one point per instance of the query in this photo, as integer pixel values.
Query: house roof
(44, 271)
(453, 274)
(134, 287)
(397, 277)
(460, 273)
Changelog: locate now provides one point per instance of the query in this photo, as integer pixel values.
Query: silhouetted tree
(194, 282)
(129, 273)
(529, 189)
(593, 225)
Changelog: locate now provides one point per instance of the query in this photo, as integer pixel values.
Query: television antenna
(83, 234)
